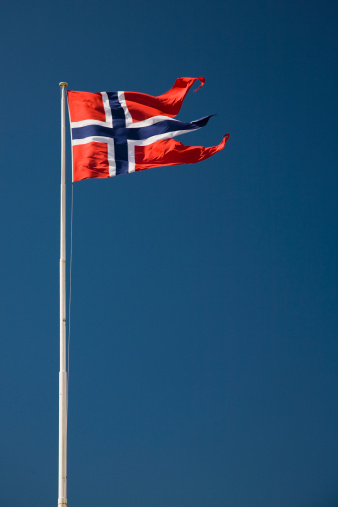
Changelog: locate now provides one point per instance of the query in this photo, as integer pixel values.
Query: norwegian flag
(117, 133)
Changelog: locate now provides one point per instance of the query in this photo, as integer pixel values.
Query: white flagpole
(62, 497)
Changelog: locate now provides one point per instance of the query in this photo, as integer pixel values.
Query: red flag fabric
(117, 133)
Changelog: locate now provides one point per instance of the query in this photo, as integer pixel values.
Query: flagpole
(62, 495)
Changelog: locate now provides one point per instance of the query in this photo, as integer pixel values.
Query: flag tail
(172, 152)
(142, 106)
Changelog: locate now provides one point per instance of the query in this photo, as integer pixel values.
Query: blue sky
(203, 353)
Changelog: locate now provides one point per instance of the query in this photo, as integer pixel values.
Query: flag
(117, 133)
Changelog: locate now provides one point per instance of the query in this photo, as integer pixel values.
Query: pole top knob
(63, 84)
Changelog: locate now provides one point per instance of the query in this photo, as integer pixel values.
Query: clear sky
(203, 352)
